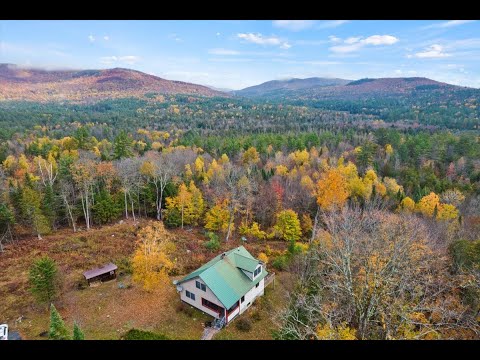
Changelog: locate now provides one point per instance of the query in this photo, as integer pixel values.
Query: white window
(257, 271)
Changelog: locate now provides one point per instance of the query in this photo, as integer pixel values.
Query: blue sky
(236, 54)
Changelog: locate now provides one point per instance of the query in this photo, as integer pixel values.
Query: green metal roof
(224, 277)
(245, 263)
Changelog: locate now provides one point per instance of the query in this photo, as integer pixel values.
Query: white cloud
(293, 25)
(223, 52)
(127, 59)
(263, 40)
(334, 39)
(91, 38)
(352, 40)
(218, 34)
(332, 24)
(380, 40)
(398, 71)
(448, 24)
(356, 43)
(434, 51)
(106, 38)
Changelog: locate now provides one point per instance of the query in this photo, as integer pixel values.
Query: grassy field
(108, 311)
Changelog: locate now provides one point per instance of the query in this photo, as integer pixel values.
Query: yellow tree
(218, 217)
(250, 157)
(332, 191)
(196, 206)
(288, 226)
(428, 203)
(152, 260)
(407, 205)
(447, 212)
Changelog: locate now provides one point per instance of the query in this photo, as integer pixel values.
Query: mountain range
(17, 83)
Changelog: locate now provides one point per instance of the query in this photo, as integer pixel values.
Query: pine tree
(77, 332)
(43, 279)
(58, 330)
(122, 146)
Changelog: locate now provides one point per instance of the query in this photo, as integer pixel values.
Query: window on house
(243, 299)
(190, 295)
(201, 286)
(257, 271)
(257, 285)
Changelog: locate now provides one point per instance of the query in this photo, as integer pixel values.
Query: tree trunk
(315, 224)
(182, 216)
(229, 226)
(133, 211)
(70, 213)
(126, 204)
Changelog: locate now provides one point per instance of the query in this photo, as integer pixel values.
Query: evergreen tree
(122, 146)
(77, 332)
(43, 279)
(48, 206)
(58, 330)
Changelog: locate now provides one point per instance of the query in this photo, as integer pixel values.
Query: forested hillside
(368, 208)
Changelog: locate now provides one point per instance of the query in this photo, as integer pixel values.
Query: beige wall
(208, 295)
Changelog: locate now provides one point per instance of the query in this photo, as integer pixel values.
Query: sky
(235, 54)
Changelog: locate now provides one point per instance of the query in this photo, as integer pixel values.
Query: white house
(226, 285)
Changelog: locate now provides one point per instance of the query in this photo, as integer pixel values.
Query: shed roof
(223, 275)
(100, 271)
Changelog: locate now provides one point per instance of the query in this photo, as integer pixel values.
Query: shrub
(172, 218)
(213, 244)
(124, 266)
(135, 334)
(243, 324)
(280, 263)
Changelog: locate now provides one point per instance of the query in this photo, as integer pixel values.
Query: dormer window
(257, 271)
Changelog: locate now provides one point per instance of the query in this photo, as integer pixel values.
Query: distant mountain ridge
(320, 89)
(289, 84)
(17, 83)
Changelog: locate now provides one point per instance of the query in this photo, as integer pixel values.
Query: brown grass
(106, 311)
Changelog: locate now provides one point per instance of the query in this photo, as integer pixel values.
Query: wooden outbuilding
(105, 273)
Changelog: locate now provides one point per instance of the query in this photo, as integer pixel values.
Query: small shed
(105, 273)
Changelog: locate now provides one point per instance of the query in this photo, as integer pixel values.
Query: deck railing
(269, 279)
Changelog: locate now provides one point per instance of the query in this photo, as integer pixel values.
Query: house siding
(208, 295)
(233, 314)
(251, 295)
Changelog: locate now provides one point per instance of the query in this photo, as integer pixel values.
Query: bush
(124, 266)
(244, 324)
(280, 263)
(213, 244)
(172, 218)
(135, 334)
(465, 254)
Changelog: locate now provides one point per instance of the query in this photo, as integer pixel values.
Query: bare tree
(376, 273)
(128, 170)
(67, 193)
